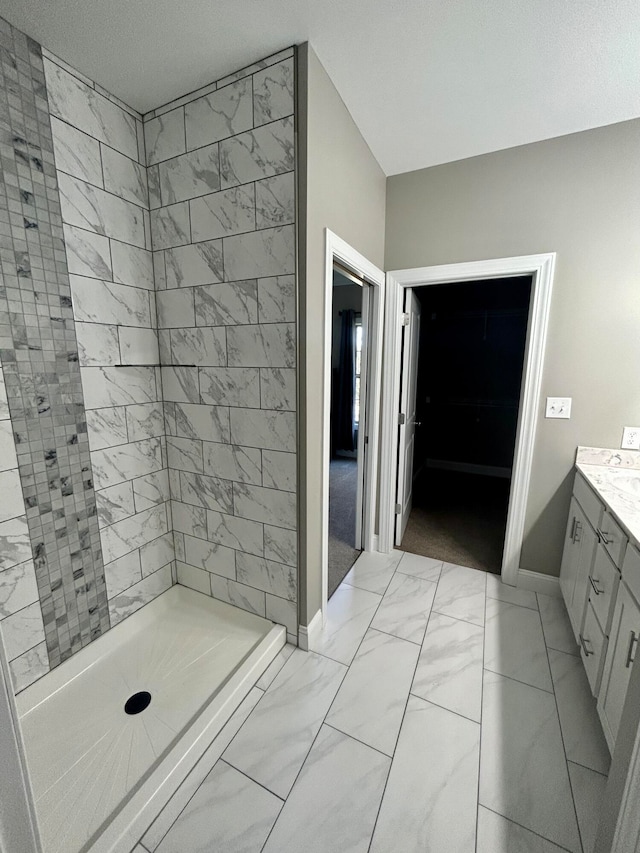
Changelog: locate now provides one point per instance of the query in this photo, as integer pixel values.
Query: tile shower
(147, 422)
(160, 338)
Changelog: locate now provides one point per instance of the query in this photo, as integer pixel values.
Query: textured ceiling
(427, 81)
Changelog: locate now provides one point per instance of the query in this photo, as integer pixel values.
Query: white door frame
(337, 249)
(541, 268)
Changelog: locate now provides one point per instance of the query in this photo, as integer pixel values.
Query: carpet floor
(343, 488)
(459, 518)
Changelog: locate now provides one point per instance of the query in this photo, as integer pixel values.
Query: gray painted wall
(346, 193)
(578, 196)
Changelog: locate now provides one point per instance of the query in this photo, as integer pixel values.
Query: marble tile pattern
(402, 745)
(52, 585)
(616, 478)
(102, 171)
(222, 225)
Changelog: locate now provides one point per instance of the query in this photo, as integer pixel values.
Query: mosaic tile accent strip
(39, 354)
(100, 157)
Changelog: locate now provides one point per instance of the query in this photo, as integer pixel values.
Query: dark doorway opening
(469, 376)
(346, 386)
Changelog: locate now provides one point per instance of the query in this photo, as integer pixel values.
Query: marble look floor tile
(556, 626)
(229, 812)
(348, 615)
(523, 772)
(267, 677)
(188, 788)
(272, 745)
(496, 834)
(584, 740)
(420, 567)
(405, 607)
(449, 671)
(461, 593)
(371, 701)
(588, 794)
(334, 803)
(373, 571)
(430, 800)
(510, 594)
(514, 645)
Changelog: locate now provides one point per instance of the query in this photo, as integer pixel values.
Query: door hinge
(402, 418)
(366, 440)
(406, 319)
(398, 509)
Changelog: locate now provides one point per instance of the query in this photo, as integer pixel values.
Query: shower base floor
(99, 773)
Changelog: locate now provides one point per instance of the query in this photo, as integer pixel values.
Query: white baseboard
(537, 582)
(307, 633)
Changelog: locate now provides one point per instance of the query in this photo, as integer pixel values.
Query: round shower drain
(137, 703)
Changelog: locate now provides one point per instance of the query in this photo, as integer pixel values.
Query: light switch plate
(558, 407)
(631, 438)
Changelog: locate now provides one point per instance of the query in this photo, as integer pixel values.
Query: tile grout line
(404, 713)
(562, 738)
(484, 646)
(526, 829)
(193, 769)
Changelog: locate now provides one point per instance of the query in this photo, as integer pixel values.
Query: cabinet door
(623, 642)
(588, 543)
(569, 567)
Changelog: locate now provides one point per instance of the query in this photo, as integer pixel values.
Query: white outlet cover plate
(631, 438)
(558, 407)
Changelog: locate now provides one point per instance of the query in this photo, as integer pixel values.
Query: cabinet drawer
(590, 503)
(603, 586)
(631, 570)
(612, 537)
(593, 648)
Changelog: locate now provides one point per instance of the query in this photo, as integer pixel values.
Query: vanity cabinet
(579, 552)
(623, 643)
(600, 584)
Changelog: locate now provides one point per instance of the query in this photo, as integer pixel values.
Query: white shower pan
(100, 775)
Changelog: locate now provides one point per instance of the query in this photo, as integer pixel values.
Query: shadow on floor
(459, 518)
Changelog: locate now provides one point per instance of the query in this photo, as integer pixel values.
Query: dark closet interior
(471, 358)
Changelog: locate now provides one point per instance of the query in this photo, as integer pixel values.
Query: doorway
(348, 390)
(367, 401)
(462, 367)
(540, 268)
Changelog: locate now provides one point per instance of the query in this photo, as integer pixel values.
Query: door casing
(346, 255)
(541, 268)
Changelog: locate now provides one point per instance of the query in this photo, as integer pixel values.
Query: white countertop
(617, 483)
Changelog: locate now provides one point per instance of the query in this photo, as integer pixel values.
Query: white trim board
(336, 248)
(540, 268)
(537, 582)
(307, 633)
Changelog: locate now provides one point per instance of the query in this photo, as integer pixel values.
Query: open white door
(407, 419)
(363, 426)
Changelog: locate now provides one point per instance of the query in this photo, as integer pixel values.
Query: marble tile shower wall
(101, 166)
(49, 503)
(222, 198)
